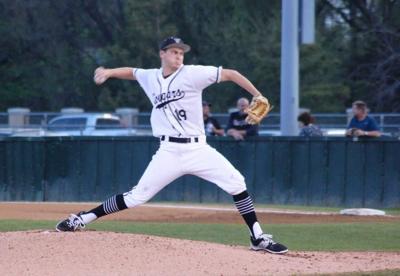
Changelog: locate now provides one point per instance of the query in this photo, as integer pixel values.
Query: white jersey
(177, 100)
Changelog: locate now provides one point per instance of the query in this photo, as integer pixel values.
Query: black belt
(180, 140)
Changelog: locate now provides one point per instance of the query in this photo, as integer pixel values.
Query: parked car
(334, 132)
(269, 132)
(83, 124)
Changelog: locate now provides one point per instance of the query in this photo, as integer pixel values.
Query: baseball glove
(257, 110)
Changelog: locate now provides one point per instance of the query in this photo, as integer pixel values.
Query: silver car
(83, 124)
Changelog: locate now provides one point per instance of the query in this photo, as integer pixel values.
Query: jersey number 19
(181, 114)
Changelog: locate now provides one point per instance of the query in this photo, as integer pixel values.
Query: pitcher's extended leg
(161, 171)
(222, 173)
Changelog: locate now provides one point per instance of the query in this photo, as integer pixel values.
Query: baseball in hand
(100, 75)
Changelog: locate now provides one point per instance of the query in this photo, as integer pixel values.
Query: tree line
(49, 50)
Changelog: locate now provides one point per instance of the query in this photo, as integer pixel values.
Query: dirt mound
(106, 253)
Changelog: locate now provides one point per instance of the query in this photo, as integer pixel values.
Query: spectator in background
(308, 129)
(237, 126)
(211, 125)
(362, 124)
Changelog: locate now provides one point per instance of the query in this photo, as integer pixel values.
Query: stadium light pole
(292, 22)
(290, 67)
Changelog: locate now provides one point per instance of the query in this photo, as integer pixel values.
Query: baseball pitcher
(175, 91)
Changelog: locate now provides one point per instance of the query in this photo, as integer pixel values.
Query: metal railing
(389, 123)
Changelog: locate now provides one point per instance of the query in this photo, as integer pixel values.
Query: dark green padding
(278, 170)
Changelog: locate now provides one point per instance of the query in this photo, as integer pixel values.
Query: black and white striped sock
(110, 205)
(113, 204)
(244, 204)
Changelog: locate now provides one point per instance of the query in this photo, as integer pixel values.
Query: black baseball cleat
(71, 224)
(265, 242)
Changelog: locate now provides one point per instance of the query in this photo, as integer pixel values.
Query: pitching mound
(106, 253)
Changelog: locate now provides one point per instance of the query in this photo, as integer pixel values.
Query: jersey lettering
(167, 97)
(176, 100)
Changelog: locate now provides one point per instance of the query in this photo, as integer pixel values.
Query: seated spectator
(237, 126)
(211, 125)
(308, 129)
(362, 124)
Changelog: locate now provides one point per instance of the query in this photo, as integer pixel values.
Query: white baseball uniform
(177, 119)
(177, 113)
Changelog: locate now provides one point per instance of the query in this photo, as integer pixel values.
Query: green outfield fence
(278, 170)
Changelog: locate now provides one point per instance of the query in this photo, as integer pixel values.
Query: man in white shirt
(175, 90)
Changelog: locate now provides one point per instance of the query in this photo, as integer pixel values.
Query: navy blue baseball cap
(176, 42)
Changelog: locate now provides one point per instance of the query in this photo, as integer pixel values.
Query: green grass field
(307, 237)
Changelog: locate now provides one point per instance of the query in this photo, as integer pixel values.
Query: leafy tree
(49, 50)
(372, 33)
